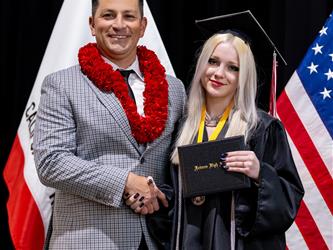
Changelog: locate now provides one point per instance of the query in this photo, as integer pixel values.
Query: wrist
(129, 181)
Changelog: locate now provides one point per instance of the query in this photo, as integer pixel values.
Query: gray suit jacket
(84, 148)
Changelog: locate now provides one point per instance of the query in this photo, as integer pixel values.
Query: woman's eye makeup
(234, 68)
(213, 61)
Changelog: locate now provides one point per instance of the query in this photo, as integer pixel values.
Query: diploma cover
(201, 171)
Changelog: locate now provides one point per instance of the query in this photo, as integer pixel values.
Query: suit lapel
(112, 104)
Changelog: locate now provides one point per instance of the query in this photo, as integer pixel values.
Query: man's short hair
(94, 4)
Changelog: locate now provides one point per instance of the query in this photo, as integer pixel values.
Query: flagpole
(272, 96)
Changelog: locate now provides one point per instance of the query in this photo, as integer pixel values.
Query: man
(97, 140)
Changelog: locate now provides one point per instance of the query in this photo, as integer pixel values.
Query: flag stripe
(295, 239)
(309, 229)
(311, 120)
(313, 199)
(306, 148)
(42, 195)
(27, 233)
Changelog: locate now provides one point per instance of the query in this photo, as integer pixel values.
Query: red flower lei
(144, 128)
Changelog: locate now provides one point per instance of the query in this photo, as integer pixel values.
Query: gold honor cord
(219, 126)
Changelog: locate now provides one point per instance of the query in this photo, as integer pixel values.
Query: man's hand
(142, 195)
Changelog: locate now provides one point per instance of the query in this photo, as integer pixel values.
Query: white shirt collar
(134, 66)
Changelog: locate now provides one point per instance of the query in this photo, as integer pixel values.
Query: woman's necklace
(212, 121)
(219, 125)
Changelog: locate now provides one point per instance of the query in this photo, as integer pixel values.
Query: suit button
(142, 160)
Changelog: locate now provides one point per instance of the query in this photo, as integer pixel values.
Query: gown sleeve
(270, 207)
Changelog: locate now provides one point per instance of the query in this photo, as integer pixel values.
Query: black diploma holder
(201, 171)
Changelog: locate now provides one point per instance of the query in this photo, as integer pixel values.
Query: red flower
(144, 128)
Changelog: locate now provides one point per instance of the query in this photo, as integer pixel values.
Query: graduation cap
(244, 25)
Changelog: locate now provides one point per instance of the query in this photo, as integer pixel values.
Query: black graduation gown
(262, 213)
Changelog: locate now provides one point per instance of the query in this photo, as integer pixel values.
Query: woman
(224, 85)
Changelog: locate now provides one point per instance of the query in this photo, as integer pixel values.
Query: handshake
(142, 195)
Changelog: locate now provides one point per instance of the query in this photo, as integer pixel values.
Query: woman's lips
(217, 83)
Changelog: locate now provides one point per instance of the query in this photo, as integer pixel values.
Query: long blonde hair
(243, 118)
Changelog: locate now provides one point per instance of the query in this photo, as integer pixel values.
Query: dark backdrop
(27, 25)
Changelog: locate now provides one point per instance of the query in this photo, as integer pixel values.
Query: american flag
(30, 203)
(305, 107)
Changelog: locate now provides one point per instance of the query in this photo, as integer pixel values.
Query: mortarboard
(244, 25)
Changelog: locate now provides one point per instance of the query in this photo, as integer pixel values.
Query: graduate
(221, 104)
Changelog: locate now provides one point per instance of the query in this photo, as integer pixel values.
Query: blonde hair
(243, 118)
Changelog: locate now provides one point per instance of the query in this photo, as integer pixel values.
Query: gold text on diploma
(210, 165)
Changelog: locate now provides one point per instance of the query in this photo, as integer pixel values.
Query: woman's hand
(142, 195)
(245, 162)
